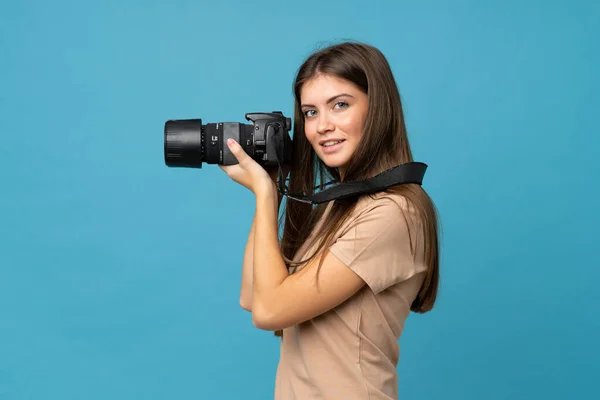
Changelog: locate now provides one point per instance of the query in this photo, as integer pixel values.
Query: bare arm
(246, 289)
(247, 268)
(280, 300)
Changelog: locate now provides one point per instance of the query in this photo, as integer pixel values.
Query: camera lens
(184, 143)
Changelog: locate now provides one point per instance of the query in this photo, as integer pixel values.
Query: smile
(332, 145)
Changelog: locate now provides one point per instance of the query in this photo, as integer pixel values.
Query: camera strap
(412, 172)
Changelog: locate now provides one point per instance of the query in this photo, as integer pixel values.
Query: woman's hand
(247, 172)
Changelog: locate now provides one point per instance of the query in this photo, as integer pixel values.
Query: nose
(324, 125)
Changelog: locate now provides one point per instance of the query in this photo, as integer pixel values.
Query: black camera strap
(412, 172)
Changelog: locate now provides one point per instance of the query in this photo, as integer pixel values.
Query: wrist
(268, 193)
(265, 188)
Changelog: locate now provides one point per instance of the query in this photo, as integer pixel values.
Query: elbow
(246, 298)
(263, 323)
(265, 319)
(245, 304)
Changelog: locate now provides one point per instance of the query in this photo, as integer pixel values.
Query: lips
(331, 149)
(323, 142)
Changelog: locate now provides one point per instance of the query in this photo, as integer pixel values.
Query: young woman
(345, 276)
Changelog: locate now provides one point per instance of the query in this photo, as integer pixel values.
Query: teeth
(331, 143)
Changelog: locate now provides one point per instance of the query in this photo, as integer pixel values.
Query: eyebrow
(330, 99)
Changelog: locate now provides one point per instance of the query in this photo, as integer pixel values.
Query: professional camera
(189, 143)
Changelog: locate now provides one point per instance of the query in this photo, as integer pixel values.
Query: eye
(307, 113)
(341, 104)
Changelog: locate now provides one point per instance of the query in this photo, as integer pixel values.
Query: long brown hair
(384, 144)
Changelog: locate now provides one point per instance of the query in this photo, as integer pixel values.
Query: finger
(228, 169)
(233, 145)
(236, 150)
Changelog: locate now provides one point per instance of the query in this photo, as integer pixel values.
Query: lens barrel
(184, 143)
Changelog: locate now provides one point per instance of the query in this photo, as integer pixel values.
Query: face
(334, 111)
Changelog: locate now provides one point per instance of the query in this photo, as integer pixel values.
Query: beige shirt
(351, 351)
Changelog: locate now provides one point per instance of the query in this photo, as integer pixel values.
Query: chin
(334, 162)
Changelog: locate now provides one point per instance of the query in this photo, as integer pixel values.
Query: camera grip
(230, 130)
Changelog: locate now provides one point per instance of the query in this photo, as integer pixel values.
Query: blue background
(119, 277)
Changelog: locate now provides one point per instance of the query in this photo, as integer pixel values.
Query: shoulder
(383, 207)
(373, 216)
(383, 218)
(377, 242)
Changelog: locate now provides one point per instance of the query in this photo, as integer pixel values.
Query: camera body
(188, 143)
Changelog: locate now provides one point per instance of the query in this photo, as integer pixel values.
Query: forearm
(247, 270)
(247, 267)
(269, 269)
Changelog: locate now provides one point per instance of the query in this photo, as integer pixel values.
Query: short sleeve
(376, 245)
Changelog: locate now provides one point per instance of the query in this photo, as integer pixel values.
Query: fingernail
(230, 141)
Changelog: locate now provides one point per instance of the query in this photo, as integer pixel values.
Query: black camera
(189, 143)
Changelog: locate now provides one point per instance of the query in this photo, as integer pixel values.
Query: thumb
(236, 150)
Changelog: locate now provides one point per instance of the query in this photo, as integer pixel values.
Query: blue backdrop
(119, 277)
